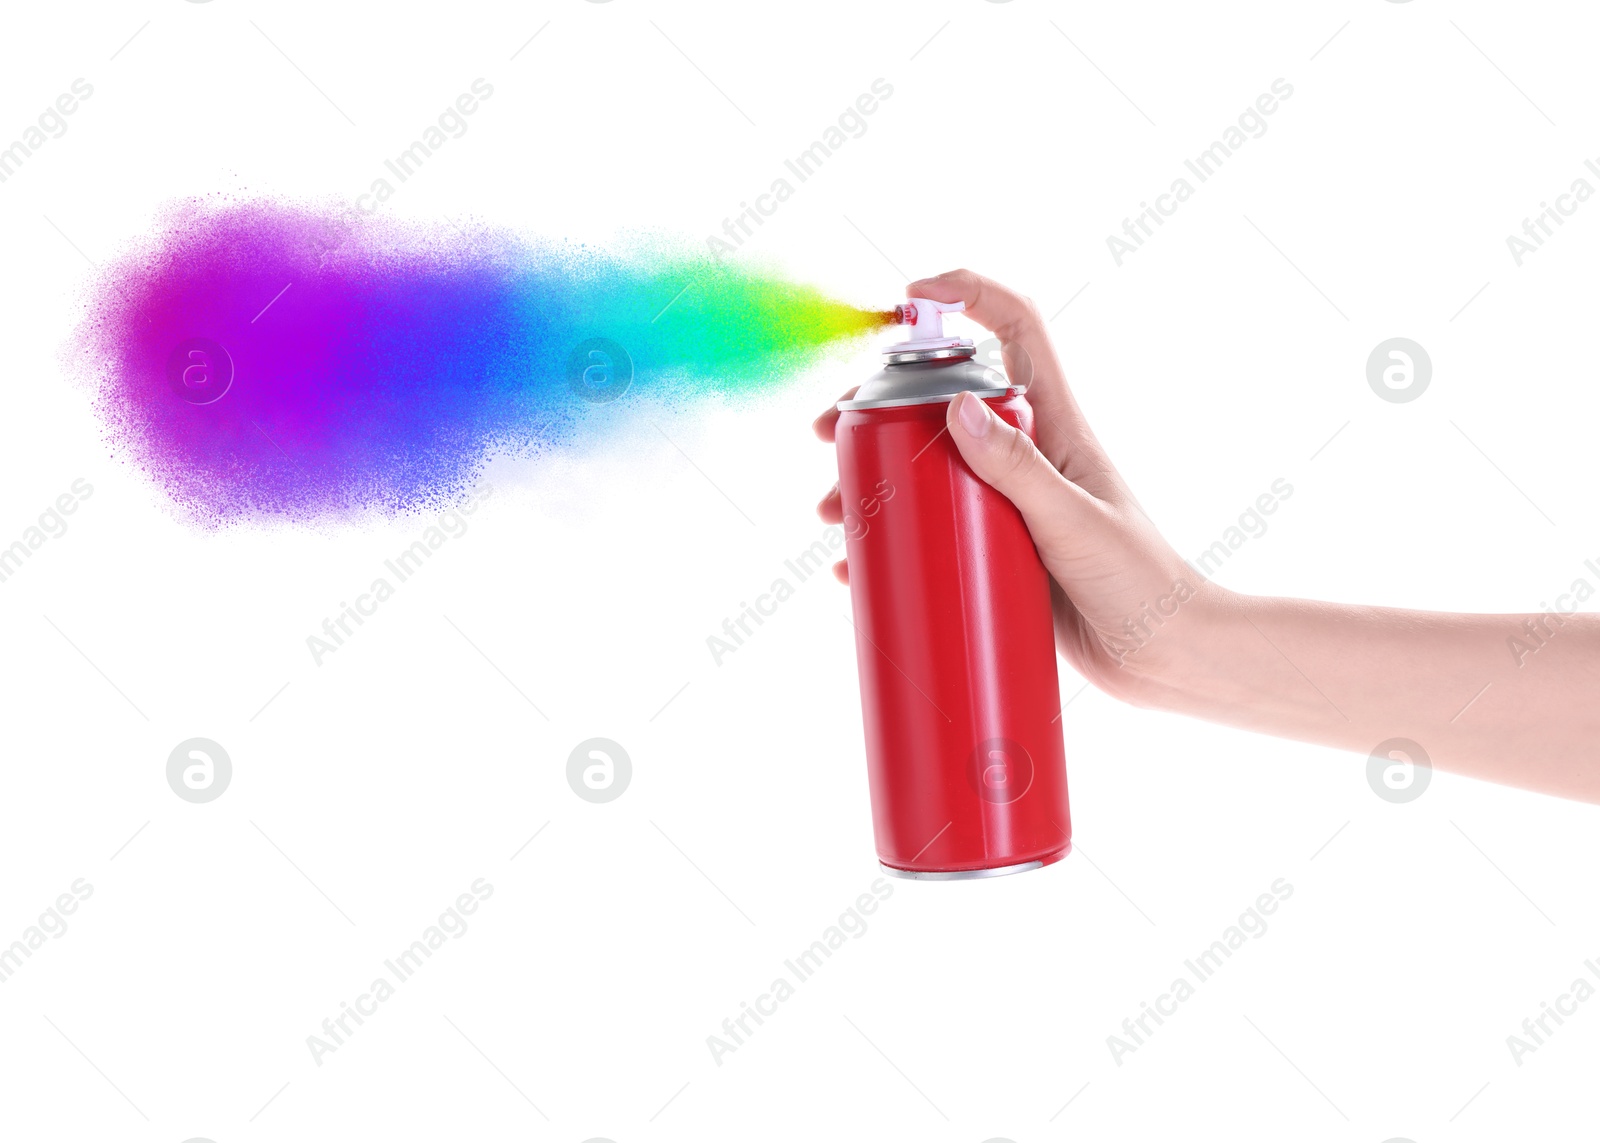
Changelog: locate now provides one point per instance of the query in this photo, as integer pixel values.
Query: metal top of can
(904, 355)
(925, 382)
(928, 368)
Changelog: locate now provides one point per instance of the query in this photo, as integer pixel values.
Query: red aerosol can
(954, 638)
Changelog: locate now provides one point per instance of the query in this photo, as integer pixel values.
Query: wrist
(1188, 662)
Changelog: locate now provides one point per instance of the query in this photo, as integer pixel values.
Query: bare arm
(1522, 714)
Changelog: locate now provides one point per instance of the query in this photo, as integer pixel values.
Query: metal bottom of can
(960, 874)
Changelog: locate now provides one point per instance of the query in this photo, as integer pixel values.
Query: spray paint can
(954, 638)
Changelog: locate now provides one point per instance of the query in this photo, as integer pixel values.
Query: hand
(1127, 608)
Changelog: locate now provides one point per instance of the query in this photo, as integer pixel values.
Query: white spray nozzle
(926, 319)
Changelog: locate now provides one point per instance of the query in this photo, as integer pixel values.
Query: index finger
(1064, 433)
(1003, 312)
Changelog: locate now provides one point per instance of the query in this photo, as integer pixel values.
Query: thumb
(1059, 514)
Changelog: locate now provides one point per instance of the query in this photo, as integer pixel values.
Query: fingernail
(974, 416)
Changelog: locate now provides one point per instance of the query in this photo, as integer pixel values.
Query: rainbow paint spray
(266, 362)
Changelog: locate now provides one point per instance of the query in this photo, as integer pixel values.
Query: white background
(370, 791)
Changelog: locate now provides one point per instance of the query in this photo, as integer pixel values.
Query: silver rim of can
(933, 399)
(959, 874)
(895, 356)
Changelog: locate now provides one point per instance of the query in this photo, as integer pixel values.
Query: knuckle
(1019, 454)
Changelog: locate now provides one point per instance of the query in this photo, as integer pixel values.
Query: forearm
(1505, 698)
